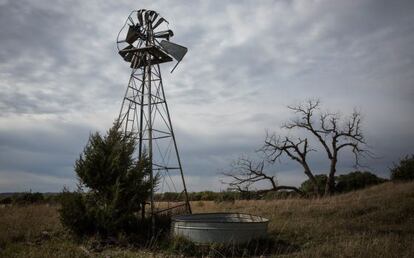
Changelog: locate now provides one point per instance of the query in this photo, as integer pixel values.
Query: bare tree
(245, 172)
(333, 134)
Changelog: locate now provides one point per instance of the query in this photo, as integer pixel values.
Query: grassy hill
(374, 222)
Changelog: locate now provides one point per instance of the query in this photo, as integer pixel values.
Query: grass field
(374, 222)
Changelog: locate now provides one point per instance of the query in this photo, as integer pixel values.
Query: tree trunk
(313, 180)
(330, 182)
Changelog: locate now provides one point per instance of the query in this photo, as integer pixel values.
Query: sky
(61, 79)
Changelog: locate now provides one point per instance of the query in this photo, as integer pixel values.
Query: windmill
(144, 42)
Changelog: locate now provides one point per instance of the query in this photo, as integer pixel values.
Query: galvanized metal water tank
(219, 227)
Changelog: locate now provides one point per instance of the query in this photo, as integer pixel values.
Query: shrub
(167, 196)
(6, 200)
(181, 245)
(208, 196)
(52, 198)
(73, 213)
(307, 186)
(356, 180)
(280, 195)
(117, 187)
(403, 171)
(227, 196)
(344, 183)
(28, 198)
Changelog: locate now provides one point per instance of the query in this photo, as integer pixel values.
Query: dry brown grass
(375, 222)
(25, 223)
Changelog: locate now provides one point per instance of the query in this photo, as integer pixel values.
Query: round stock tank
(206, 228)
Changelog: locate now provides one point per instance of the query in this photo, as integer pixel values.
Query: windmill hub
(144, 42)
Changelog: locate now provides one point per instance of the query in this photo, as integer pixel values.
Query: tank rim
(181, 218)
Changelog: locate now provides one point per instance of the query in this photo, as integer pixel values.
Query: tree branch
(245, 173)
(306, 122)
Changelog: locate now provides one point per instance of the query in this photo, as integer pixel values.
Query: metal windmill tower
(144, 43)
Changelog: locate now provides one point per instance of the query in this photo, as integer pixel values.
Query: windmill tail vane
(144, 42)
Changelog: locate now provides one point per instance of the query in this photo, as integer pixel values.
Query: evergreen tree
(115, 184)
(404, 171)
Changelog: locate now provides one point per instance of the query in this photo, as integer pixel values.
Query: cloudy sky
(61, 79)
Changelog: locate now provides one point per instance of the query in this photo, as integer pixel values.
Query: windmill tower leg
(162, 130)
(188, 207)
(148, 75)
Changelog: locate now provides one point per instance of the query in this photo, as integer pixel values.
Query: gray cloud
(61, 78)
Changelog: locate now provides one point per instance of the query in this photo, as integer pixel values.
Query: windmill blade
(175, 50)
(154, 17)
(131, 20)
(147, 17)
(161, 20)
(139, 15)
(166, 34)
(132, 34)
